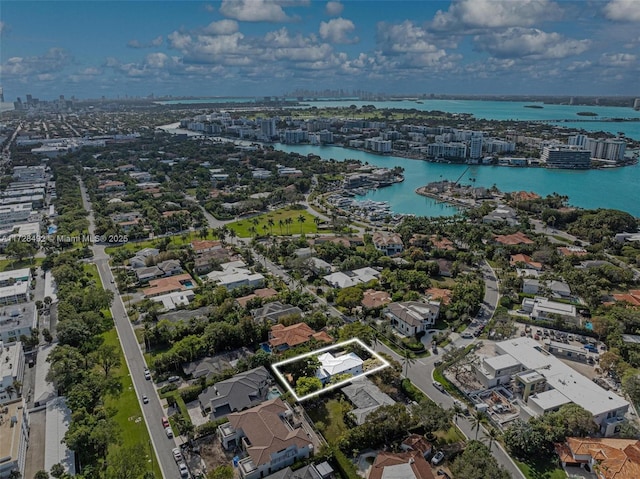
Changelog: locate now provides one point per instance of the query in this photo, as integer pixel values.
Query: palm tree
(317, 221)
(270, 222)
(280, 223)
(493, 434)
(407, 360)
(457, 411)
(288, 222)
(301, 219)
(476, 421)
(264, 229)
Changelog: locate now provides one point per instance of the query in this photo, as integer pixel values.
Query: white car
(184, 471)
(466, 335)
(438, 386)
(177, 454)
(169, 432)
(437, 459)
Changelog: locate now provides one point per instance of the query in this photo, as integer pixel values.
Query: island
(586, 113)
(534, 106)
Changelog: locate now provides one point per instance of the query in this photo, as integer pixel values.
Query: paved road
(153, 411)
(491, 292)
(421, 375)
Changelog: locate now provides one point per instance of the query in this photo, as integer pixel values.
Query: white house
(390, 244)
(412, 317)
(331, 365)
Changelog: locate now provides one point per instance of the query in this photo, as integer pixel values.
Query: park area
(285, 221)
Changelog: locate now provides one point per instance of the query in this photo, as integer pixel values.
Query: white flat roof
(14, 290)
(502, 362)
(15, 274)
(543, 304)
(549, 400)
(58, 418)
(576, 387)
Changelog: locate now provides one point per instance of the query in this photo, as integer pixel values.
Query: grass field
(128, 415)
(331, 415)
(542, 469)
(243, 227)
(10, 264)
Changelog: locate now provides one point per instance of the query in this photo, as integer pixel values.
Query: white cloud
(179, 40)
(623, 10)
(254, 10)
(54, 60)
(90, 71)
(334, 8)
(156, 60)
(156, 42)
(337, 30)
(519, 42)
(465, 14)
(621, 60)
(3, 27)
(222, 27)
(405, 37)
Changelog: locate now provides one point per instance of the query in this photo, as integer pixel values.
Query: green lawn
(331, 415)
(542, 469)
(176, 240)
(128, 415)
(10, 264)
(243, 227)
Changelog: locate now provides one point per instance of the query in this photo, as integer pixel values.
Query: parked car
(165, 422)
(147, 374)
(184, 470)
(466, 335)
(591, 348)
(438, 386)
(173, 379)
(177, 454)
(169, 432)
(145, 399)
(437, 458)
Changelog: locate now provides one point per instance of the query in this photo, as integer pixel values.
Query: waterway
(607, 188)
(515, 110)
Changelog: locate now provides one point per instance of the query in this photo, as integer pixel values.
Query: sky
(91, 49)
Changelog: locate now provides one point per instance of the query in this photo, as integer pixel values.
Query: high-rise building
(268, 127)
(612, 149)
(636, 104)
(1, 95)
(564, 156)
(578, 140)
(475, 147)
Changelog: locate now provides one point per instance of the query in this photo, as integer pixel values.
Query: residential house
(282, 337)
(234, 275)
(263, 293)
(319, 266)
(607, 458)
(405, 465)
(445, 267)
(147, 273)
(181, 282)
(111, 186)
(558, 289)
(212, 366)
(442, 243)
(273, 311)
(312, 471)
(389, 243)
(441, 295)
(345, 279)
(269, 435)
(540, 308)
(417, 442)
(209, 260)
(412, 317)
(372, 299)
(242, 391)
(502, 214)
(331, 366)
(200, 247)
(632, 297)
(572, 251)
(170, 267)
(517, 238)
(174, 300)
(525, 261)
(366, 397)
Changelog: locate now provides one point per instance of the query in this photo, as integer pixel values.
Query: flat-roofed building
(11, 370)
(13, 214)
(14, 431)
(566, 156)
(544, 309)
(8, 278)
(16, 320)
(58, 419)
(545, 383)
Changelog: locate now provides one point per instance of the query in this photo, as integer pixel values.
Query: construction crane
(460, 177)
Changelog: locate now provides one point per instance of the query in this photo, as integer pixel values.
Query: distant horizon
(227, 48)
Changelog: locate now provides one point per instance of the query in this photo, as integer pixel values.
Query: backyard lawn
(284, 221)
(330, 413)
(128, 415)
(542, 469)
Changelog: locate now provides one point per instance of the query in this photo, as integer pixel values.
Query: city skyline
(261, 47)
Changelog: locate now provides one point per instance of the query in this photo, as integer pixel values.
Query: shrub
(168, 388)
(191, 393)
(411, 391)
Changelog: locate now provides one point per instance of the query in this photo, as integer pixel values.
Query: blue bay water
(607, 188)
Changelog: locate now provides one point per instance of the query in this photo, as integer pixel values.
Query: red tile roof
(414, 459)
(617, 458)
(374, 299)
(295, 334)
(514, 239)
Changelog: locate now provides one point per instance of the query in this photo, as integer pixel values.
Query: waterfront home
(389, 243)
